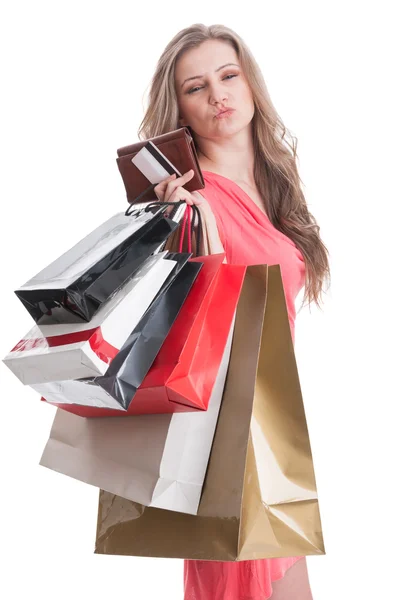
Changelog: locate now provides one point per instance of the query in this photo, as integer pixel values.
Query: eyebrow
(200, 76)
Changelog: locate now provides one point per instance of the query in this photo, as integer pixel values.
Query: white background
(73, 79)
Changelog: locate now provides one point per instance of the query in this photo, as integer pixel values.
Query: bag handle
(192, 215)
(199, 232)
(132, 207)
(192, 219)
(187, 216)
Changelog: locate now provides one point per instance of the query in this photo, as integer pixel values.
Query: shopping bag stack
(154, 341)
(210, 457)
(151, 343)
(259, 498)
(87, 302)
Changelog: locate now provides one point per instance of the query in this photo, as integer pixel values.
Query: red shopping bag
(183, 374)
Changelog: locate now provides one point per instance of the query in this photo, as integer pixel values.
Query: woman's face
(215, 82)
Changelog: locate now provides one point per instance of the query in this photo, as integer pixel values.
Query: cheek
(247, 95)
(195, 110)
(188, 107)
(181, 105)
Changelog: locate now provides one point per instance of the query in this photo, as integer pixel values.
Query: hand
(171, 189)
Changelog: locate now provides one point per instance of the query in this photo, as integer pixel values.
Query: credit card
(153, 163)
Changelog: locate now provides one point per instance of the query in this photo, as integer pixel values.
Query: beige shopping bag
(259, 498)
(157, 459)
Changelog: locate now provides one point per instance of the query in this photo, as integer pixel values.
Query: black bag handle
(196, 214)
(196, 218)
(130, 209)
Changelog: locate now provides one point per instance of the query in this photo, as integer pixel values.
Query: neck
(231, 156)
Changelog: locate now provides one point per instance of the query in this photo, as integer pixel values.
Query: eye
(193, 90)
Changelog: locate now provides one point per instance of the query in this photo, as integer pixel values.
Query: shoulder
(214, 205)
(214, 192)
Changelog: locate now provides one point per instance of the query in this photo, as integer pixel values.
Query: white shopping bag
(77, 350)
(158, 460)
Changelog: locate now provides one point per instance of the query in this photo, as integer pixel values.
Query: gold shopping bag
(259, 497)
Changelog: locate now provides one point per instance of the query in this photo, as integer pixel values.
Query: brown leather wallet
(178, 146)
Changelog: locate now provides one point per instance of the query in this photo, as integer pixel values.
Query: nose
(218, 94)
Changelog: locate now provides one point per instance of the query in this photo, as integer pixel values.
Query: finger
(180, 194)
(196, 199)
(185, 178)
(178, 191)
(188, 175)
(159, 195)
(177, 195)
(160, 188)
(165, 181)
(179, 181)
(193, 198)
(163, 184)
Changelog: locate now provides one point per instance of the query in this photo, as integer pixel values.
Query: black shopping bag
(112, 393)
(73, 287)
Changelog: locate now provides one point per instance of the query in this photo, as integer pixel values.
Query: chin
(230, 127)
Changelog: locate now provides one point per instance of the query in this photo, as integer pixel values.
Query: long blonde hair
(275, 168)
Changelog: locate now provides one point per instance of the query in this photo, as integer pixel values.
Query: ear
(181, 122)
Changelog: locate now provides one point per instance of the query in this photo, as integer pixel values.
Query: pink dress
(249, 238)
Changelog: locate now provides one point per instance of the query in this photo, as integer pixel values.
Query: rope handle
(138, 198)
(199, 232)
(182, 232)
(192, 218)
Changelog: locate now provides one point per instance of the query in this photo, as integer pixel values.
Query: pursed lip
(220, 112)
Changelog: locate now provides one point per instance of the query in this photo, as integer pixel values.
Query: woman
(207, 80)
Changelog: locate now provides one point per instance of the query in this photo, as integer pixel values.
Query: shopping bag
(71, 351)
(259, 497)
(95, 396)
(159, 460)
(184, 371)
(73, 287)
